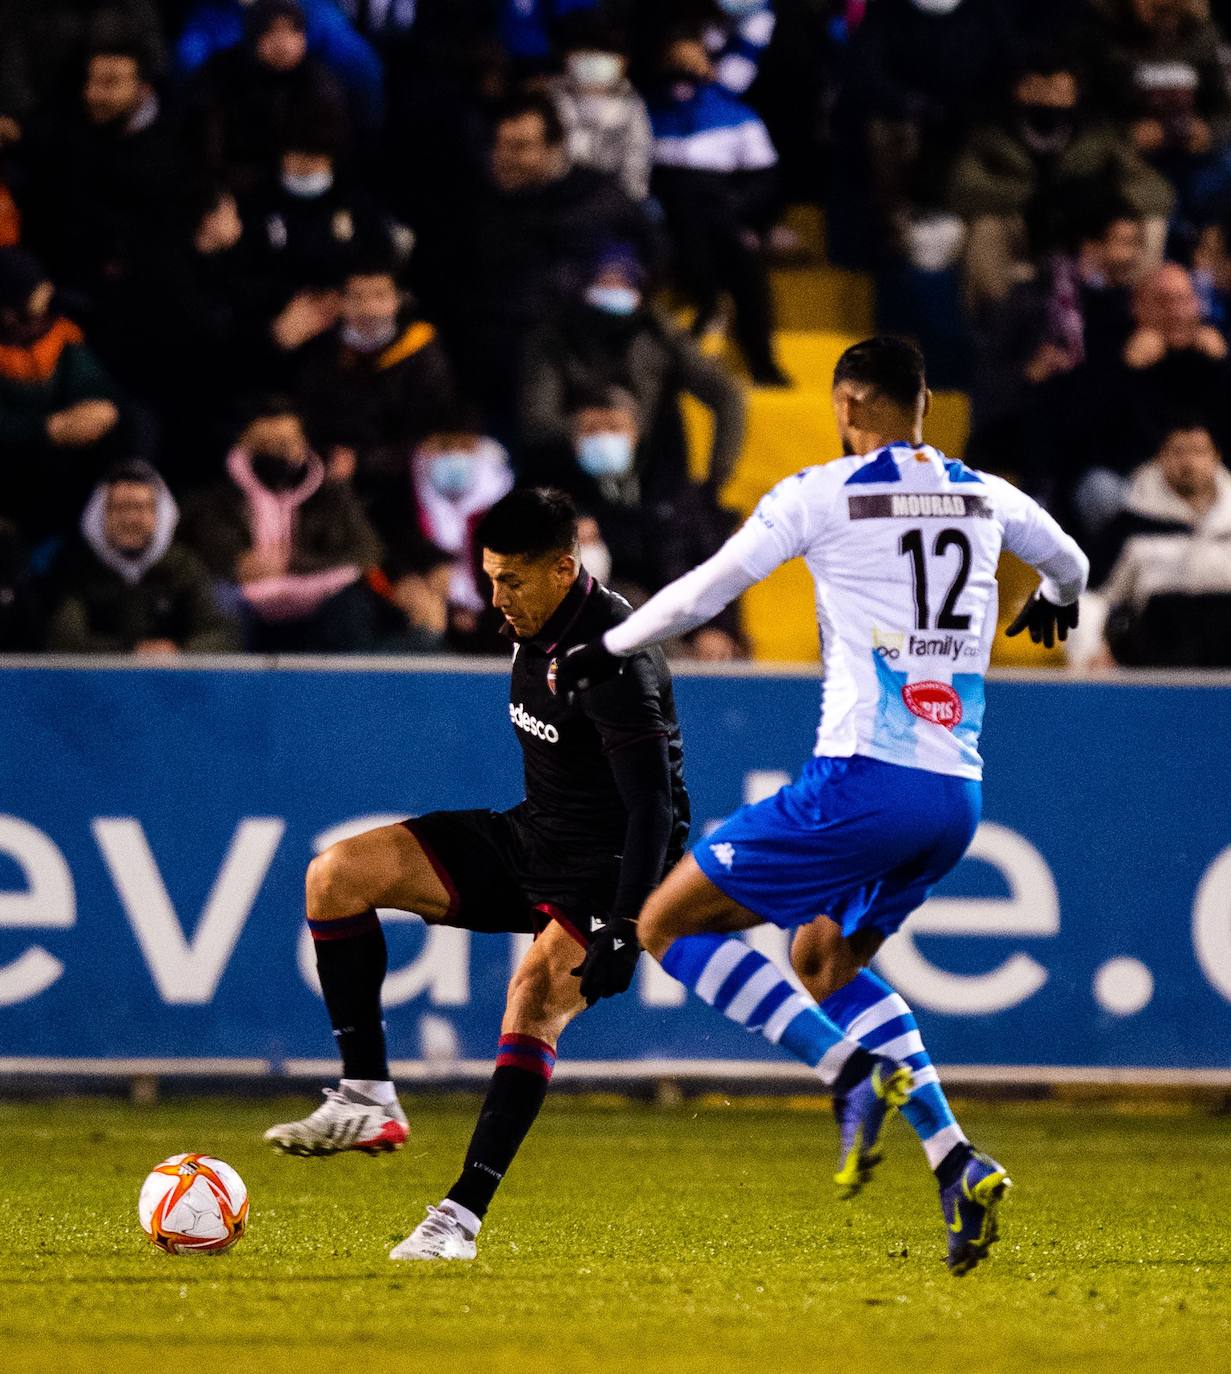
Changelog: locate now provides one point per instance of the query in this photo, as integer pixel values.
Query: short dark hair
(891, 366)
(532, 103)
(267, 406)
(530, 521)
(134, 470)
(123, 45)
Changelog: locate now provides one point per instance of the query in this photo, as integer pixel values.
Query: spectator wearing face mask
(104, 186)
(127, 585)
(611, 336)
(372, 388)
(652, 540)
(457, 474)
(294, 546)
(1017, 180)
(714, 176)
(58, 412)
(1162, 584)
(534, 239)
(216, 26)
(1172, 93)
(249, 97)
(605, 120)
(305, 229)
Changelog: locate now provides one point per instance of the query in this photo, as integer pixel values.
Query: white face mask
(307, 185)
(596, 70)
(369, 340)
(937, 7)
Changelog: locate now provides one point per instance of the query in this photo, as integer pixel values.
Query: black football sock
(352, 960)
(514, 1096)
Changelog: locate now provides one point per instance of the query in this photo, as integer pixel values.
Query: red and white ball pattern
(191, 1203)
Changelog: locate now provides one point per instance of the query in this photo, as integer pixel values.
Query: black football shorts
(479, 857)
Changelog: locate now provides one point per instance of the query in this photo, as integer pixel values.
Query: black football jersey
(572, 823)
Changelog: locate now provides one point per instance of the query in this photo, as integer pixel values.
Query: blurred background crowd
(291, 291)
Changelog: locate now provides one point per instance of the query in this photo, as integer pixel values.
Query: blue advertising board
(155, 825)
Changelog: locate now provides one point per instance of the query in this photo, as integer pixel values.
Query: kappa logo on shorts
(724, 853)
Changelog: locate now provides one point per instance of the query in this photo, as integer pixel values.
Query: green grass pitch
(697, 1239)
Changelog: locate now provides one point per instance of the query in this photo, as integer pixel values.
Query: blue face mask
(451, 474)
(605, 455)
(614, 300)
(739, 9)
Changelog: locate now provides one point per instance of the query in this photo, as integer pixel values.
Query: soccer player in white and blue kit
(903, 545)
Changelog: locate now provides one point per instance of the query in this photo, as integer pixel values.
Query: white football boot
(439, 1236)
(346, 1120)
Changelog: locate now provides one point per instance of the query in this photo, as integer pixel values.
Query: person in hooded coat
(126, 585)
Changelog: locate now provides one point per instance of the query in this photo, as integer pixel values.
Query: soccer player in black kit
(605, 816)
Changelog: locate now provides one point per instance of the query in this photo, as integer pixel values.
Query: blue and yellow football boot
(969, 1205)
(860, 1115)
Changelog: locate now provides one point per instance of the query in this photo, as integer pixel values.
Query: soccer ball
(193, 1202)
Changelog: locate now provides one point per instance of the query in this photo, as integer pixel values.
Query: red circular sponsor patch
(933, 701)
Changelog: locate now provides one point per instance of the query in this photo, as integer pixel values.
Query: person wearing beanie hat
(57, 405)
(126, 585)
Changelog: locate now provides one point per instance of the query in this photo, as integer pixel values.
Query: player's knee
(334, 885)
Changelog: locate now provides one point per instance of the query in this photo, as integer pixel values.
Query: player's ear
(927, 403)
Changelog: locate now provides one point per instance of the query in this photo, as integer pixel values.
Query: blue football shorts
(860, 841)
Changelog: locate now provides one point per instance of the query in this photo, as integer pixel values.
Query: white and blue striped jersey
(903, 546)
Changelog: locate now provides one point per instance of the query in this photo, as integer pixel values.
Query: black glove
(1046, 621)
(585, 666)
(610, 962)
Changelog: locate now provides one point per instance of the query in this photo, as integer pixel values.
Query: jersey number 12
(912, 547)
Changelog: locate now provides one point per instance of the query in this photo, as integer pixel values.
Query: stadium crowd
(292, 291)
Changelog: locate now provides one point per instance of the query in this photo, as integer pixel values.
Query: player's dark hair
(892, 367)
(531, 522)
(532, 103)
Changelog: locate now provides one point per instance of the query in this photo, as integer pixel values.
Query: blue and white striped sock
(743, 985)
(869, 1011)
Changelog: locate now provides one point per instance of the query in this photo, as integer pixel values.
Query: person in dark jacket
(127, 585)
(307, 226)
(372, 388)
(45, 45)
(58, 411)
(215, 26)
(104, 187)
(536, 239)
(609, 335)
(294, 545)
(247, 98)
